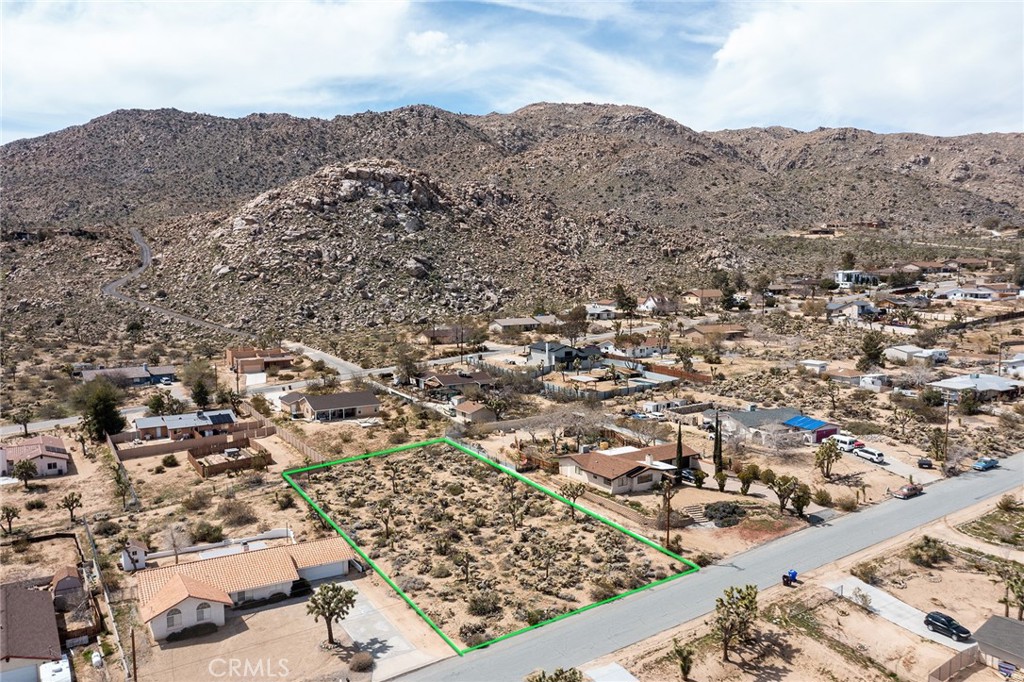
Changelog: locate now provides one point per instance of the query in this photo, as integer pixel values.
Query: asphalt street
(587, 636)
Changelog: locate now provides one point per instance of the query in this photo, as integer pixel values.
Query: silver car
(870, 454)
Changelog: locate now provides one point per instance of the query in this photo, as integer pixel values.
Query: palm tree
(331, 602)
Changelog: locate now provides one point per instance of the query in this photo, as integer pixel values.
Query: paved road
(113, 289)
(130, 413)
(584, 637)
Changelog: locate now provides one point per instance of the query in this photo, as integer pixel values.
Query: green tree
(9, 513)
(71, 502)
(332, 602)
(969, 403)
(572, 491)
(872, 346)
(735, 615)
(847, 261)
(667, 493)
(827, 454)
(716, 453)
(801, 498)
(98, 402)
(679, 450)
(200, 394)
(24, 471)
(783, 486)
(684, 657)
(699, 476)
(748, 474)
(23, 417)
(574, 324)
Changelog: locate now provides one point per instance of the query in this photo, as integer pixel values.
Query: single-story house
(852, 310)
(454, 383)
(625, 470)
(182, 426)
(28, 632)
(327, 408)
(814, 430)
(136, 376)
(548, 320)
(813, 366)
(649, 347)
(657, 305)
(1001, 643)
(752, 424)
(551, 353)
(973, 263)
(703, 298)
(970, 293)
(927, 267)
(847, 279)
(474, 413)
(247, 360)
(445, 335)
(872, 381)
(1014, 367)
(133, 555)
(910, 353)
(912, 302)
(46, 452)
(986, 386)
(600, 311)
(702, 332)
(178, 596)
(513, 324)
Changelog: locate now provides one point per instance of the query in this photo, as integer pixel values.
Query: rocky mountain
(418, 213)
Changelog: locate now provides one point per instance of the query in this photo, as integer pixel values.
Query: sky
(939, 68)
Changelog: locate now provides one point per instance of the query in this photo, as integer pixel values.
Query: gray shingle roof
(28, 625)
(1003, 638)
(758, 417)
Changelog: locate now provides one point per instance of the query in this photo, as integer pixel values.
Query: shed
(1001, 641)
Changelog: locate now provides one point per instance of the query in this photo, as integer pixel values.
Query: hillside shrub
(484, 603)
(35, 504)
(204, 531)
(169, 461)
(361, 662)
(193, 631)
(724, 514)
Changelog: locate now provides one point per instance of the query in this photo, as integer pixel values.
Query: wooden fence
(168, 447)
(959, 661)
(293, 439)
(234, 464)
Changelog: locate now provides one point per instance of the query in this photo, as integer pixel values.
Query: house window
(173, 618)
(645, 478)
(51, 465)
(202, 612)
(605, 480)
(577, 470)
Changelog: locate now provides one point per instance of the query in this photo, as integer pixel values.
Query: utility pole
(945, 444)
(135, 665)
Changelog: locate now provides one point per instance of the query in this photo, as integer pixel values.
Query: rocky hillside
(276, 221)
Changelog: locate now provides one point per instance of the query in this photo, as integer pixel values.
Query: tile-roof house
(177, 596)
(28, 631)
(186, 425)
(625, 469)
(325, 408)
(46, 452)
(701, 297)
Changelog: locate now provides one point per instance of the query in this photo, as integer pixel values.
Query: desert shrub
(169, 461)
(398, 437)
(1007, 503)
(361, 662)
(474, 633)
(193, 631)
(484, 603)
(441, 570)
(286, 501)
(866, 571)
(454, 489)
(21, 545)
(411, 583)
(602, 589)
(106, 528)
(724, 514)
(846, 502)
(35, 504)
(822, 497)
(205, 531)
(197, 500)
(927, 552)
(158, 469)
(864, 428)
(237, 513)
(704, 559)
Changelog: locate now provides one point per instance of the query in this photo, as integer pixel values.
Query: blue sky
(941, 68)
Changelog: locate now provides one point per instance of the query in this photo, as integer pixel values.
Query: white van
(846, 443)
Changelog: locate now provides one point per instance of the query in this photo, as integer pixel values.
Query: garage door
(332, 570)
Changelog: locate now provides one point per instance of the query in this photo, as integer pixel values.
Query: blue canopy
(805, 423)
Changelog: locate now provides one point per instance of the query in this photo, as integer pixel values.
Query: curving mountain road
(113, 289)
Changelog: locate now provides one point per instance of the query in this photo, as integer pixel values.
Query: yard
(480, 552)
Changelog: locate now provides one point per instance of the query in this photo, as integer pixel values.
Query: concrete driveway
(896, 611)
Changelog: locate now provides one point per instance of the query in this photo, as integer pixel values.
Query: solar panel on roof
(221, 419)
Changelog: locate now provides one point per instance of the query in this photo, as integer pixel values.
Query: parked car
(925, 463)
(985, 463)
(908, 491)
(870, 454)
(166, 381)
(846, 443)
(688, 476)
(937, 621)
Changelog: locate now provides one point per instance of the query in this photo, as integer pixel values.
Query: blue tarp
(805, 423)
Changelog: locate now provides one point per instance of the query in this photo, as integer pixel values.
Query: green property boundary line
(287, 475)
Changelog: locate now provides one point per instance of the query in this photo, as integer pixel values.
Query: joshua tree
(464, 561)
(572, 491)
(735, 614)
(750, 473)
(667, 493)
(23, 418)
(391, 469)
(71, 502)
(548, 553)
(9, 513)
(121, 485)
(386, 515)
(332, 602)
(24, 471)
(826, 456)
(684, 657)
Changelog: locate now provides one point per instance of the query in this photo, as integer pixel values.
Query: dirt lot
(442, 507)
(38, 560)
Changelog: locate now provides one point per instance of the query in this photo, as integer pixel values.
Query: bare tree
(572, 491)
(178, 537)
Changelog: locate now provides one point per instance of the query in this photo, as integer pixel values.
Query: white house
(910, 353)
(986, 386)
(46, 452)
(813, 366)
(649, 347)
(661, 305)
(133, 555)
(600, 311)
(847, 279)
(1014, 367)
(627, 469)
(178, 596)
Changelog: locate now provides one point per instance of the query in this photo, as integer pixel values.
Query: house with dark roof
(547, 354)
(452, 384)
(177, 596)
(183, 426)
(48, 454)
(28, 632)
(754, 424)
(1001, 643)
(136, 376)
(328, 408)
(627, 469)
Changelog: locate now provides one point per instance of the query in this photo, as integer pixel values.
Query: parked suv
(870, 454)
(940, 622)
